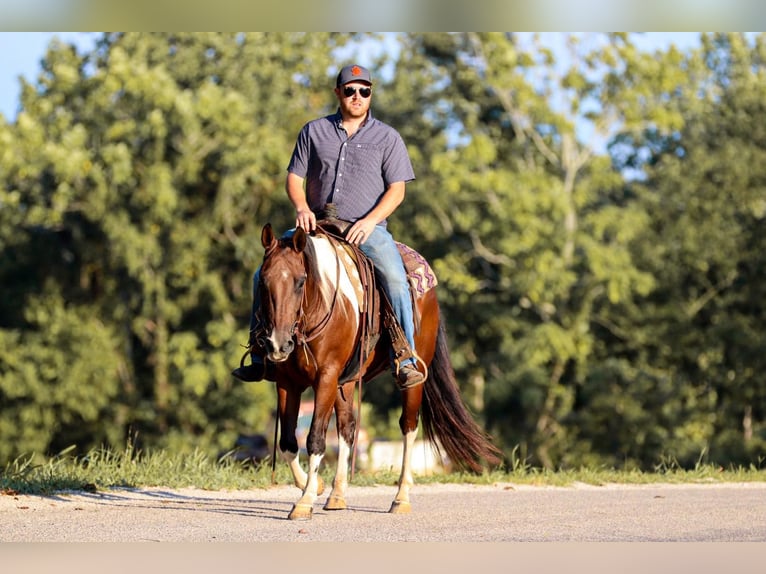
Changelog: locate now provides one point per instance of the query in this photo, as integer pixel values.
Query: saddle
(373, 302)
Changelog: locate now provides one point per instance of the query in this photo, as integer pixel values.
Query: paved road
(441, 513)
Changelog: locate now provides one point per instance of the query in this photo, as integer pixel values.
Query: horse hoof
(335, 503)
(400, 507)
(301, 512)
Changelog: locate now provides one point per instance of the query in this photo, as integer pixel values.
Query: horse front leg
(408, 423)
(304, 508)
(300, 477)
(288, 411)
(346, 425)
(315, 445)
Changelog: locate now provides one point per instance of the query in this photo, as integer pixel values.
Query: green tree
(142, 172)
(536, 240)
(704, 192)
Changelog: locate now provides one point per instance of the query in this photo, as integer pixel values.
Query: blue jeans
(381, 249)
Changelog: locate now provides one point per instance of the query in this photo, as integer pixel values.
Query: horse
(313, 327)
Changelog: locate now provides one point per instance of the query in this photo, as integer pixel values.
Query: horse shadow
(171, 500)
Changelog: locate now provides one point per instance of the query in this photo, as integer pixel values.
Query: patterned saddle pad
(422, 277)
(419, 273)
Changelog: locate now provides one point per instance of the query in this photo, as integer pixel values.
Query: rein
(302, 338)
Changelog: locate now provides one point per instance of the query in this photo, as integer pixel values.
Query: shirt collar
(339, 119)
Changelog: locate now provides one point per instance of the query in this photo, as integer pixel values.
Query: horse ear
(299, 240)
(267, 236)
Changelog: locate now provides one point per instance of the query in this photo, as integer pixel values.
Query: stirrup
(250, 373)
(418, 377)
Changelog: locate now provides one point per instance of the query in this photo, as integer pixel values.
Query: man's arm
(389, 201)
(304, 217)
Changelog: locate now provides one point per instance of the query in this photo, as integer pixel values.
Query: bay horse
(312, 325)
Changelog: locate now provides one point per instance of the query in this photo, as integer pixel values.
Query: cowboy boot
(251, 373)
(258, 369)
(409, 376)
(406, 372)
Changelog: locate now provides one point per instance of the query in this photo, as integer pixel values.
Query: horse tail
(447, 423)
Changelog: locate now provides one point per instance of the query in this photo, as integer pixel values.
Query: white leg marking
(312, 484)
(401, 504)
(341, 472)
(299, 475)
(303, 509)
(405, 478)
(337, 498)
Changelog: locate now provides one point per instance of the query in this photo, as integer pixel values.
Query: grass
(102, 469)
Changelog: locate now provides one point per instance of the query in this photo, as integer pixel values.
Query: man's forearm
(295, 192)
(304, 217)
(388, 203)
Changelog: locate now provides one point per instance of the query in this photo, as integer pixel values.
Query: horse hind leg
(346, 425)
(337, 498)
(401, 503)
(411, 399)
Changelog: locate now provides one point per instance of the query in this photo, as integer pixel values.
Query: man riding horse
(359, 165)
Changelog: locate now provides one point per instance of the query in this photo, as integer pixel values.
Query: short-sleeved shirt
(352, 173)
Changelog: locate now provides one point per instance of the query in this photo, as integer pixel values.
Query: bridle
(298, 329)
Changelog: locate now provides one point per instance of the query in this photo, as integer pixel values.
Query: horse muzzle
(277, 348)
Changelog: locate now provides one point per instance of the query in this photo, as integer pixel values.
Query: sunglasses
(348, 91)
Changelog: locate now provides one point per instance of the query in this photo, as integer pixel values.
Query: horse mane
(311, 262)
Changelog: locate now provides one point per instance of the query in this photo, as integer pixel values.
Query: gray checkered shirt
(353, 173)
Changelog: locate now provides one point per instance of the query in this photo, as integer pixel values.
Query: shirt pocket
(365, 157)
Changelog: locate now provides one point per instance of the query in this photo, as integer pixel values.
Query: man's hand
(360, 231)
(306, 220)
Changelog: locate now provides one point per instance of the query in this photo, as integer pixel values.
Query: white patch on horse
(328, 268)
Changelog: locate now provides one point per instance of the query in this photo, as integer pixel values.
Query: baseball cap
(353, 73)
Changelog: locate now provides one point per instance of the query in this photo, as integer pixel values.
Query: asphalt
(445, 513)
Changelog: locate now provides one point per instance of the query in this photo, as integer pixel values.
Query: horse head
(282, 282)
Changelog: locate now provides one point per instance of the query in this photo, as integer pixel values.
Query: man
(361, 166)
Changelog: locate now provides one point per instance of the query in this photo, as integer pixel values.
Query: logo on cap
(356, 71)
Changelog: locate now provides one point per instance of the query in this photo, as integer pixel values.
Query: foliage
(102, 469)
(594, 214)
(139, 178)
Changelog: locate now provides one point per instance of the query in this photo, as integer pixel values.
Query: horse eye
(300, 282)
